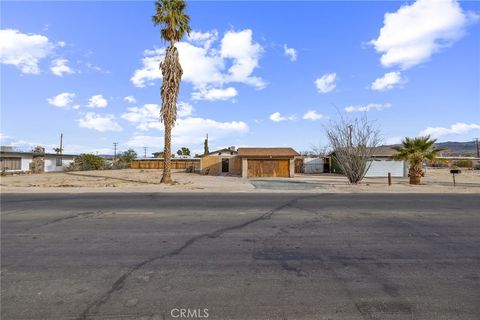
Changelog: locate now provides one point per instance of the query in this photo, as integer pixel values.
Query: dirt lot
(132, 180)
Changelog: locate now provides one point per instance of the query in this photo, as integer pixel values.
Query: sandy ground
(132, 180)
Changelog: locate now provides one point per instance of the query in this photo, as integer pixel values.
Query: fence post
(389, 179)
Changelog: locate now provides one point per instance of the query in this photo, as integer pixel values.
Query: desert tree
(353, 142)
(183, 151)
(416, 151)
(175, 23)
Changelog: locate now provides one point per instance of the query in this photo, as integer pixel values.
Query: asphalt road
(240, 256)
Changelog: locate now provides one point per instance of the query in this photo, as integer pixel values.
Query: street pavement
(240, 256)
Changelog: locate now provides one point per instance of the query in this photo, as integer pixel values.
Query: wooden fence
(186, 164)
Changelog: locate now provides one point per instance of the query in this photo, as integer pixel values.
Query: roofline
(36, 153)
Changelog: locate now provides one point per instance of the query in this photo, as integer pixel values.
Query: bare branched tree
(353, 142)
(318, 150)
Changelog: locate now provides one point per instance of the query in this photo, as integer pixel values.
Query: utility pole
(115, 151)
(61, 143)
(350, 128)
(478, 148)
(144, 152)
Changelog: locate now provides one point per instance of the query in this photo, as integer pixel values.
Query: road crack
(76, 215)
(93, 308)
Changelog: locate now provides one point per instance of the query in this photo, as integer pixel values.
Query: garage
(268, 168)
(267, 162)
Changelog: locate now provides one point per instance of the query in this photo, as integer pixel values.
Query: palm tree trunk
(167, 154)
(172, 74)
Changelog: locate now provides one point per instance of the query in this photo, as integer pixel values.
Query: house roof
(219, 151)
(20, 153)
(382, 151)
(267, 152)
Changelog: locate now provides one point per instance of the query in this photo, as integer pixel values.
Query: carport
(267, 162)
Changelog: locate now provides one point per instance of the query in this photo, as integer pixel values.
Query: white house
(18, 161)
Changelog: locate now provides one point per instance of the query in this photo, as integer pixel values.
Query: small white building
(313, 165)
(19, 161)
(381, 163)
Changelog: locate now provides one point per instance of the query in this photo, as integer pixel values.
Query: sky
(255, 73)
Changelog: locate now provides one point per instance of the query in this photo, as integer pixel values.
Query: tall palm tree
(170, 15)
(415, 151)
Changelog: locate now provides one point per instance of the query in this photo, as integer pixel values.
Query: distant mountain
(458, 148)
(467, 149)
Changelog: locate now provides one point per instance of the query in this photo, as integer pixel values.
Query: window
(10, 163)
(59, 161)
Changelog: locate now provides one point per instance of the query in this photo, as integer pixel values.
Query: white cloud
(204, 39)
(98, 122)
(215, 94)
(457, 128)
(148, 116)
(97, 101)
(206, 68)
(312, 115)
(193, 129)
(290, 52)
(59, 67)
(188, 129)
(326, 83)
(24, 51)
(62, 100)
(130, 99)
(416, 31)
(97, 68)
(277, 117)
(150, 68)
(245, 53)
(368, 107)
(184, 109)
(145, 118)
(388, 81)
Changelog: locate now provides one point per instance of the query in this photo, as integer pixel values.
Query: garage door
(381, 168)
(268, 168)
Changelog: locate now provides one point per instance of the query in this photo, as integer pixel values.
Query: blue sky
(255, 73)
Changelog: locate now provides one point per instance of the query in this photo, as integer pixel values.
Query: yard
(134, 180)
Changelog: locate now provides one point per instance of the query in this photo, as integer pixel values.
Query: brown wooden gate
(268, 168)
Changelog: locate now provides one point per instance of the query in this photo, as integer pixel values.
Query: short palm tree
(170, 15)
(415, 151)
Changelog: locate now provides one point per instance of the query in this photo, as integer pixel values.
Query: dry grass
(134, 180)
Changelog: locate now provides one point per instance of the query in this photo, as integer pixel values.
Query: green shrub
(477, 166)
(464, 163)
(127, 156)
(88, 161)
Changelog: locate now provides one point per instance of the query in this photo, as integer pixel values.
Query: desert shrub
(464, 163)
(88, 161)
(477, 166)
(438, 163)
(127, 156)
